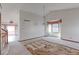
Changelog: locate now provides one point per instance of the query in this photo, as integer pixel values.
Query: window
(55, 28)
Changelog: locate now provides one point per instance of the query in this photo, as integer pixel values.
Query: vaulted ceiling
(39, 8)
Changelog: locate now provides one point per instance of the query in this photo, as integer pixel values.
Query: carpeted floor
(43, 47)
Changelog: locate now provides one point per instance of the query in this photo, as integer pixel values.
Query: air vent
(27, 20)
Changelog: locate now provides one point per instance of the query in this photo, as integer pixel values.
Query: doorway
(11, 33)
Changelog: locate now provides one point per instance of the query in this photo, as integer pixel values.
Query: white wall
(33, 28)
(11, 12)
(70, 22)
(10, 15)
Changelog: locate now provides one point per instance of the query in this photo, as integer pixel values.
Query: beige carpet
(43, 47)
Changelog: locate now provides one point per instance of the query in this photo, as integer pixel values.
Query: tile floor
(16, 48)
